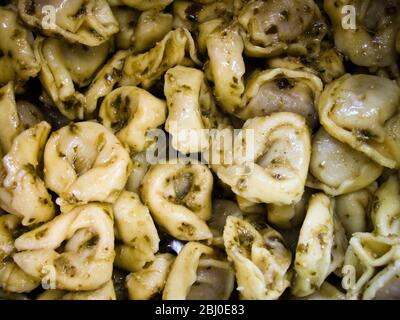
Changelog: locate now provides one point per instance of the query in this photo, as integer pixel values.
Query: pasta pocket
(87, 22)
(273, 166)
(147, 282)
(66, 68)
(179, 199)
(197, 273)
(86, 262)
(282, 89)
(191, 108)
(274, 27)
(371, 42)
(363, 112)
(176, 48)
(17, 60)
(338, 169)
(85, 162)
(22, 191)
(135, 227)
(260, 259)
(131, 112)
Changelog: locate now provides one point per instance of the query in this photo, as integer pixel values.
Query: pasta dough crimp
(275, 164)
(179, 198)
(176, 48)
(85, 162)
(89, 22)
(135, 227)
(363, 112)
(260, 259)
(191, 109)
(337, 169)
(131, 113)
(23, 192)
(86, 262)
(17, 60)
(198, 273)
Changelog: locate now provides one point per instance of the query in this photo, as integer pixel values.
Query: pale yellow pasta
(142, 5)
(260, 259)
(176, 48)
(275, 164)
(353, 209)
(248, 206)
(87, 260)
(150, 280)
(337, 169)
(14, 279)
(131, 112)
(363, 112)
(281, 89)
(325, 292)
(195, 273)
(8, 224)
(135, 227)
(385, 213)
(105, 292)
(66, 68)
(10, 125)
(140, 165)
(22, 191)
(85, 162)
(371, 41)
(87, 22)
(314, 248)
(17, 60)
(179, 198)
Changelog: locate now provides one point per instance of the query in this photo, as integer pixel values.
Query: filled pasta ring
(275, 165)
(179, 198)
(17, 60)
(371, 41)
(363, 112)
(87, 22)
(282, 89)
(87, 260)
(131, 112)
(134, 226)
(314, 248)
(337, 169)
(197, 273)
(22, 191)
(260, 259)
(79, 154)
(176, 48)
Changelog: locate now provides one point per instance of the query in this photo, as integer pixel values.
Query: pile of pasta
(312, 211)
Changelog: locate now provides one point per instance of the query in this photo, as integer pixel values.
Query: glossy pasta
(199, 150)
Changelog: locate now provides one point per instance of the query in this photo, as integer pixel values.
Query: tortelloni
(191, 108)
(273, 166)
(385, 213)
(260, 259)
(176, 48)
(282, 89)
(142, 5)
(131, 113)
(85, 162)
(66, 68)
(337, 169)
(274, 27)
(371, 40)
(88, 22)
(87, 260)
(135, 227)
(22, 191)
(147, 282)
(354, 208)
(197, 274)
(179, 198)
(363, 112)
(17, 60)
(320, 248)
